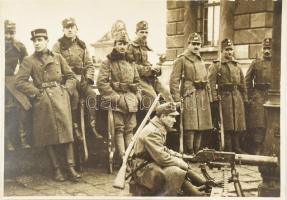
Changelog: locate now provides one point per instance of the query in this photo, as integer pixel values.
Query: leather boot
(194, 178)
(120, 144)
(73, 175)
(96, 134)
(9, 145)
(23, 141)
(58, 176)
(227, 142)
(77, 133)
(191, 190)
(236, 144)
(197, 141)
(189, 139)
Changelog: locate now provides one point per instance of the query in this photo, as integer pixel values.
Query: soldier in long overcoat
(77, 56)
(157, 168)
(53, 83)
(118, 83)
(138, 52)
(258, 80)
(195, 93)
(228, 86)
(16, 103)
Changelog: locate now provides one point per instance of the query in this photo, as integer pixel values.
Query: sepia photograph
(107, 99)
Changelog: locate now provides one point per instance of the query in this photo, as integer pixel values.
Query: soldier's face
(142, 34)
(194, 47)
(121, 47)
(228, 53)
(40, 43)
(168, 120)
(9, 36)
(267, 52)
(70, 31)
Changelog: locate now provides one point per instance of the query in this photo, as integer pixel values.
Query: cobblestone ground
(97, 182)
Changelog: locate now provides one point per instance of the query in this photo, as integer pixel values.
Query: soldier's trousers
(124, 127)
(257, 139)
(67, 149)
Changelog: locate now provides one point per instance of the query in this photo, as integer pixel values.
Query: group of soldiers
(52, 82)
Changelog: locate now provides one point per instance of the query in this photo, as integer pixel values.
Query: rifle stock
(221, 125)
(119, 181)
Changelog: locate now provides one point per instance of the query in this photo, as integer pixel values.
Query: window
(207, 22)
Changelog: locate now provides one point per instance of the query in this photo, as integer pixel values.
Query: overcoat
(52, 121)
(226, 73)
(162, 161)
(196, 111)
(259, 72)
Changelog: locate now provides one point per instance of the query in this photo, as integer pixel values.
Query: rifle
(181, 109)
(111, 139)
(119, 182)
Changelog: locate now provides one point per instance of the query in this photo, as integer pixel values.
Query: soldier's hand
(156, 70)
(139, 96)
(39, 94)
(90, 75)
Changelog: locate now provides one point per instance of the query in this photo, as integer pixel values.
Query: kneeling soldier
(165, 173)
(53, 83)
(118, 82)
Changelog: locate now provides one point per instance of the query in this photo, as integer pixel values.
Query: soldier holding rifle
(118, 82)
(193, 89)
(228, 89)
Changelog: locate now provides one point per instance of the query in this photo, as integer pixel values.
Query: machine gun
(225, 160)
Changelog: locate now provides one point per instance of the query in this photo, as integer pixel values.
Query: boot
(194, 178)
(189, 139)
(96, 134)
(227, 142)
(9, 145)
(23, 141)
(77, 133)
(191, 190)
(58, 176)
(197, 141)
(236, 144)
(73, 175)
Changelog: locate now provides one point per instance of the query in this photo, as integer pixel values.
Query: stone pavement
(97, 182)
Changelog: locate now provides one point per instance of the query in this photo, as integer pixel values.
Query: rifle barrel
(255, 159)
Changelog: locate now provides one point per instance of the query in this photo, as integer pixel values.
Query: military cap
(40, 32)
(168, 108)
(10, 26)
(120, 37)
(142, 25)
(267, 42)
(226, 43)
(68, 22)
(194, 37)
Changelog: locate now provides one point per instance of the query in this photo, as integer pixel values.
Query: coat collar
(66, 43)
(16, 44)
(224, 60)
(191, 56)
(50, 58)
(157, 123)
(115, 55)
(140, 43)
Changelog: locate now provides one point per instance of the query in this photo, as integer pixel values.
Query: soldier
(195, 91)
(118, 82)
(138, 52)
(228, 86)
(16, 103)
(157, 168)
(76, 54)
(53, 83)
(258, 83)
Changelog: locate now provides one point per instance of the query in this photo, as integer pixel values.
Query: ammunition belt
(262, 86)
(50, 84)
(230, 87)
(125, 87)
(200, 85)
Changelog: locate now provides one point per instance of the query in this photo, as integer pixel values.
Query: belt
(262, 86)
(50, 84)
(229, 87)
(125, 87)
(200, 85)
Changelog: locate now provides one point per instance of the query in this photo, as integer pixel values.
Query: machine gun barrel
(255, 159)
